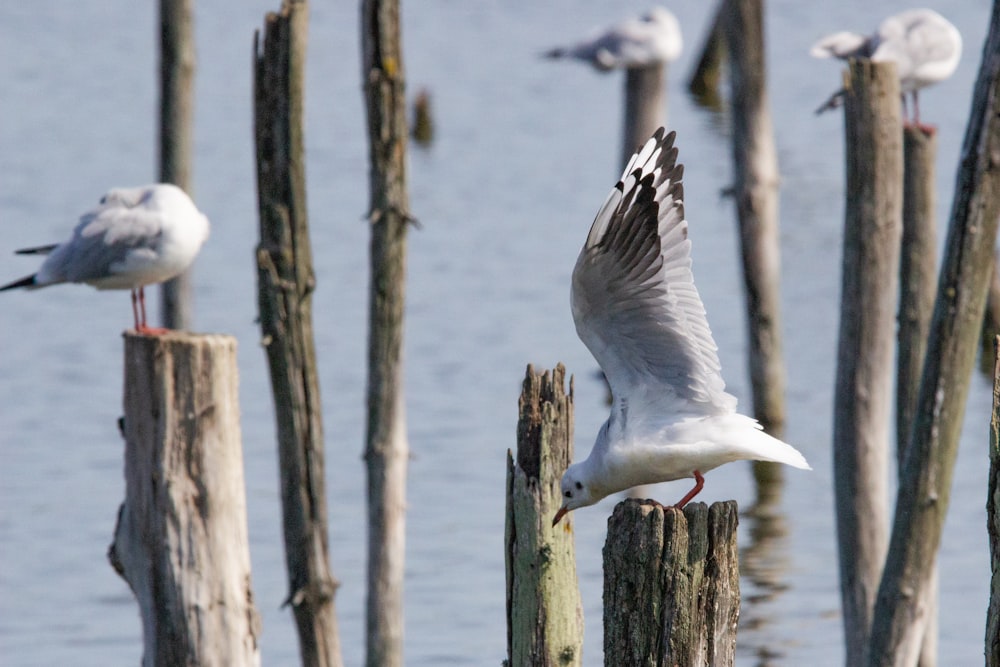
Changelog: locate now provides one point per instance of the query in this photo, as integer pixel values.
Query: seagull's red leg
(699, 484)
(142, 327)
(135, 310)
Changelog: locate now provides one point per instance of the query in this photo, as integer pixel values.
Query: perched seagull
(924, 45)
(655, 37)
(637, 309)
(135, 237)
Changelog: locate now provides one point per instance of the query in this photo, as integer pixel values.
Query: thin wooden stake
(387, 449)
(177, 66)
(917, 284)
(544, 612)
(993, 520)
(756, 191)
(645, 106)
(704, 82)
(285, 284)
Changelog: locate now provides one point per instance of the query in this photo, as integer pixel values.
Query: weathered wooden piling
(387, 449)
(181, 538)
(544, 612)
(704, 82)
(917, 274)
(177, 66)
(285, 285)
(925, 479)
(671, 585)
(866, 346)
(993, 520)
(917, 286)
(645, 106)
(991, 320)
(756, 192)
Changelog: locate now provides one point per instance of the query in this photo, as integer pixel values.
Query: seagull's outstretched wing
(633, 296)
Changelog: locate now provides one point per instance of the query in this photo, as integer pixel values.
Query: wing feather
(107, 241)
(633, 295)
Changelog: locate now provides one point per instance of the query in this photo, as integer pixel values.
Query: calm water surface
(526, 151)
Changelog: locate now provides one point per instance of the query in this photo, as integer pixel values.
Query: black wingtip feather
(39, 250)
(28, 281)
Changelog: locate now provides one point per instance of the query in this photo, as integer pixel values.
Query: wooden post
(387, 449)
(704, 82)
(991, 321)
(544, 612)
(756, 187)
(918, 274)
(917, 285)
(177, 63)
(645, 104)
(181, 538)
(285, 284)
(671, 585)
(863, 394)
(756, 192)
(925, 479)
(993, 520)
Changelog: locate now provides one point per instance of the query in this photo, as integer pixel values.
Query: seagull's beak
(559, 515)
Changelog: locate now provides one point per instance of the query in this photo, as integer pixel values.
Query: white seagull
(135, 237)
(925, 46)
(654, 37)
(637, 309)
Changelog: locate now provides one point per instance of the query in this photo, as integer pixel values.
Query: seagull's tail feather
(788, 455)
(40, 250)
(769, 448)
(28, 281)
(558, 52)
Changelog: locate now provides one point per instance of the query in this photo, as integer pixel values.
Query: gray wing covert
(103, 240)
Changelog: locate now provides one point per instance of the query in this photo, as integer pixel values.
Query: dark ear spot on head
(579, 486)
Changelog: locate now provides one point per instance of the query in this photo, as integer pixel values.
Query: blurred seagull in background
(637, 309)
(135, 237)
(925, 46)
(654, 37)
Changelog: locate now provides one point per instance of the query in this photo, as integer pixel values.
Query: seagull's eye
(104, 199)
(579, 486)
(568, 494)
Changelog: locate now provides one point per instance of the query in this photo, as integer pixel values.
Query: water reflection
(763, 565)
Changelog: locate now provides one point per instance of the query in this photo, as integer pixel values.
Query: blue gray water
(525, 153)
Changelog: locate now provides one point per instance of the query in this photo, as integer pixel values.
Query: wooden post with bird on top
(643, 46)
(181, 541)
(671, 585)
(866, 348)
